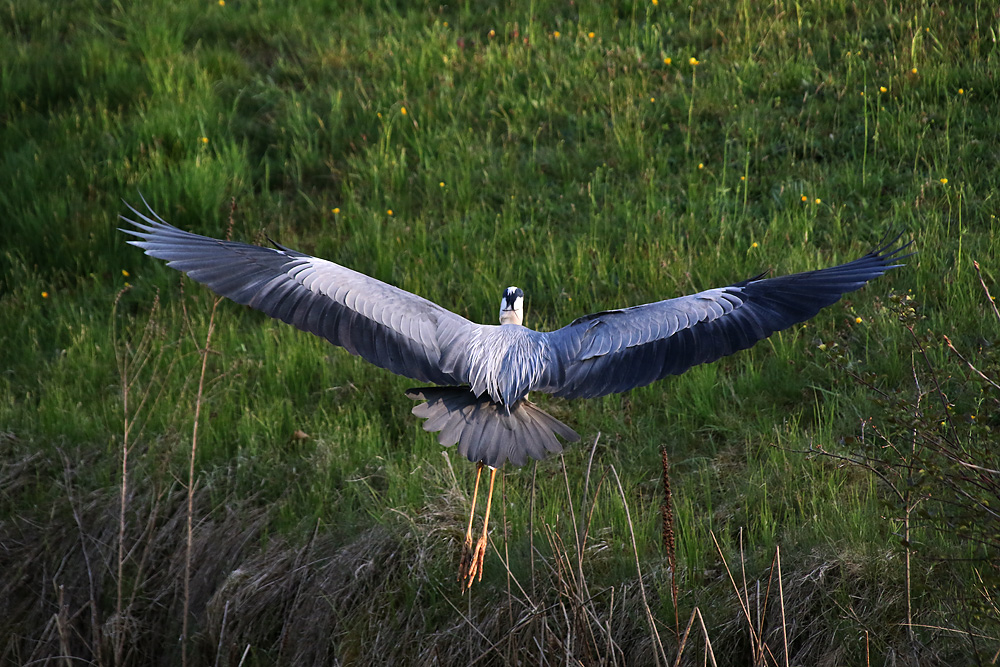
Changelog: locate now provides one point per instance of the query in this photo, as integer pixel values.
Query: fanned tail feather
(483, 429)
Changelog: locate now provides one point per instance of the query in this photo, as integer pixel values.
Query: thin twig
(190, 487)
(743, 574)
(194, 449)
(967, 362)
(590, 463)
(937, 384)
(955, 630)
(989, 299)
(781, 599)
(582, 543)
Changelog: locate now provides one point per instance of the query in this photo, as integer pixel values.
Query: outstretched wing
(387, 326)
(617, 350)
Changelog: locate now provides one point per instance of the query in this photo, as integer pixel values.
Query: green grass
(586, 170)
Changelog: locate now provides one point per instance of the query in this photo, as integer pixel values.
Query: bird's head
(512, 306)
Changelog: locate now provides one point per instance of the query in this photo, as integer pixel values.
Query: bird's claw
(471, 564)
(475, 562)
(466, 564)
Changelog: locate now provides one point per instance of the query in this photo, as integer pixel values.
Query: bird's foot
(465, 565)
(472, 562)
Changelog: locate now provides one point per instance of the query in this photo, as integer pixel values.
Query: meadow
(185, 481)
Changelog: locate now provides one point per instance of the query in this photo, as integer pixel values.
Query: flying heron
(487, 371)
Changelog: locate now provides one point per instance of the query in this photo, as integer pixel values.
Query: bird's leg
(480, 552)
(463, 567)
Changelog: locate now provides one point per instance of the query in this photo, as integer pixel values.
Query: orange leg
(466, 562)
(479, 554)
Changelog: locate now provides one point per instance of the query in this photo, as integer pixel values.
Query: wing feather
(618, 350)
(387, 326)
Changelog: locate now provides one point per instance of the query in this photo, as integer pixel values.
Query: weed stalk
(194, 449)
(669, 538)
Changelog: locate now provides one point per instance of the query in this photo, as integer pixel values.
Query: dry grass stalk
(743, 603)
(761, 651)
(191, 480)
(682, 640)
(709, 652)
(781, 599)
(138, 365)
(194, 449)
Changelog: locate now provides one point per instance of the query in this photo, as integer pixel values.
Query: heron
(483, 373)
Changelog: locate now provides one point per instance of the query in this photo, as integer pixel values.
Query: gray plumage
(488, 370)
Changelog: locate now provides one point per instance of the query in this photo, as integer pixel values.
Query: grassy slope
(511, 147)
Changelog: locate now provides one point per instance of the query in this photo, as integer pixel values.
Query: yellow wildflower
(818, 200)
(701, 165)
(590, 35)
(961, 91)
(493, 33)
(944, 181)
(389, 212)
(402, 110)
(804, 198)
(693, 61)
(204, 140)
(652, 99)
(222, 3)
(667, 61)
(441, 184)
(857, 320)
(556, 34)
(913, 71)
(45, 295)
(753, 245)
(125, 273)
(336, 210)
(882, 89)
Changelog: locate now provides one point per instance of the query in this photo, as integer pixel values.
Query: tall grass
(571, 149)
